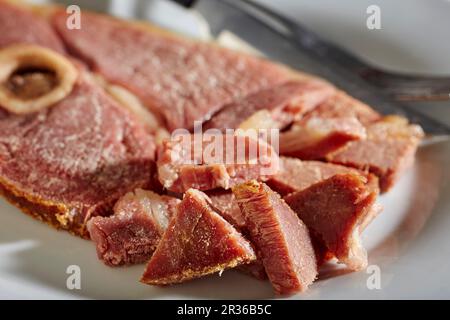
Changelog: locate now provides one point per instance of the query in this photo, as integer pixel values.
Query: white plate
(409, 242)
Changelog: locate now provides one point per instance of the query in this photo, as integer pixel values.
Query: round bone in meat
(23, 58)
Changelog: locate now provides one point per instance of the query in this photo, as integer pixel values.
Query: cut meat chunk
(197, 242)
(283, 103)
(255, 269)
(336, 211)
(281, 237)
(225, 203)
(315, 138)
(22, 26)
(131, 235)
(216, 161)
(297, 175)
(72, 161)
(387, 152)
(184, 81)
(342, 105)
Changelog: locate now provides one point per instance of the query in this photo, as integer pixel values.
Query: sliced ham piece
(182, 80)
(387, 152)
(315, 138)
(185, 162)
(197, 242)
(225, 203)
(131, 235)
(341, 105)
(297, 175)
(280, 104)
(18, 25)
(336, 211)
(281, 237)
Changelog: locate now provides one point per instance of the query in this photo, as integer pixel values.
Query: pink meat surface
(297, 175)
(131, 235)
(315, 138)
(21, 26)
(342, 105)
(387, 152)
(191, 163)
(281, 237)
(225, 203)
(197, 242)
(184, 81)
(336, 211)
(285, 103)
(80, 155)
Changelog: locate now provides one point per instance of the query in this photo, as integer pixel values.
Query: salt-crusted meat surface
(284, 102)
(297, 175)
(182, 80)
(197, 242)
(281, 237)
(131, 235)
(211, 162)
(314, 138)
(336, 211)
(387, 152)
(226, 204)
(74, 159)
(21, 26)
(341, 105)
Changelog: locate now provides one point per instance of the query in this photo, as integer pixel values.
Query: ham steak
(314, 138)
(284, 103)
(182, 81)
(84, 163)
(387, 152)
(297, 175)
(281, 237)
(131, 235)
(336, 211)
(72, 161)
(341, 105)
(188, 162)
(197, 242)
(225, 203)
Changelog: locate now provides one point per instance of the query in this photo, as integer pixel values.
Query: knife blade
(290, 43)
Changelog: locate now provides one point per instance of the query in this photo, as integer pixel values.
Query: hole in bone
(30, 83)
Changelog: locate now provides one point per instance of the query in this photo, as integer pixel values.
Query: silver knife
(288, 42)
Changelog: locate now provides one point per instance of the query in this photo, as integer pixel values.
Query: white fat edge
(125, 98)
(261, 119)
(229, 40)
(153, 205)
(300, 137)
(357, 255)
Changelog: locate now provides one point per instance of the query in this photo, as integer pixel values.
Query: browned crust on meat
(52, 213)
(57, 214)
(193, 274)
